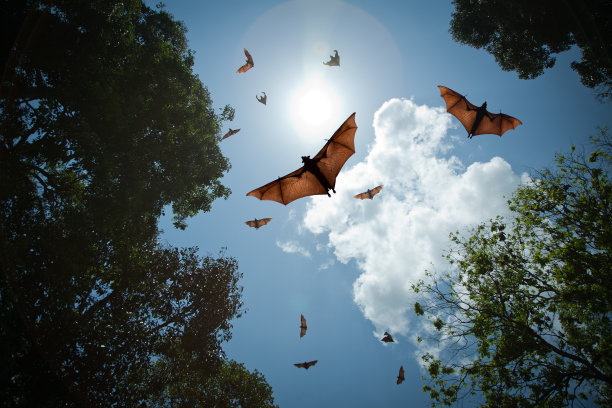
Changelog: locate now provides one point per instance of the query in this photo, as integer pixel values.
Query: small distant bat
(263, 99)
(249, 63)
(400, 376)
(476, 120)
(307, 364)
(230, 132)
(258, 223)
(318, 175)
(369, 194)
(387, 338)
(303, 326)
(334, 60)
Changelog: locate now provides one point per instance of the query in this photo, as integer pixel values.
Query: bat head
(305, 159)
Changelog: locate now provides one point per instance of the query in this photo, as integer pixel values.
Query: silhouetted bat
(473, 117)
(387, 338)
(258, 223)
(230, 132)
(263, 99)
(400, 376)
(303, 326)
(307, 364)
(318, 175)
(369, 194)
(249, 63)
(334, 60)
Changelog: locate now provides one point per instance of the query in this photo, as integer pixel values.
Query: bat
(263, 99)
(303, 326)
(318, 175)
(476, 120)
(400, 376)
(334, 60)
(258, 223)
(369, 194)
(249, 63)
(387, 338)
(307, 364)
(230, 132)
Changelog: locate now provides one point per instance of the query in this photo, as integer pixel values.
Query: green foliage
(523, 35)
(102, 125)
(526, 312)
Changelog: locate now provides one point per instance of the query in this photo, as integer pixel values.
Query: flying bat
(307, 364)
(257, 223)
(476, 120)
(230, 132)
(303, 326)
(263, 99)
(318, 175)
(400, 376)
(369, 194)
(387, 338)
(249, 63)
(334, 60)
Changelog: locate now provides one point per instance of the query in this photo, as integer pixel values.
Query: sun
(314, 107)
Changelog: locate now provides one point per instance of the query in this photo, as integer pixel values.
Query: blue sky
(346, 264)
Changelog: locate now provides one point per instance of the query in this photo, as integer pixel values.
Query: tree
(103, 125)
(523, 35)
(526, 311)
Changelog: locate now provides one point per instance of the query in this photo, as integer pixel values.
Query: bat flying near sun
(387, 338)
(257, 223)
(476, 120)
(303, 326)
(318, 175)
(306, 365)
(249, 63)
(369, 194)
(334, 60)
(229, 133)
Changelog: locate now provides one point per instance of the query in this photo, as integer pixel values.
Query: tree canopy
(102, 125)
(525, 315)
(524, 35)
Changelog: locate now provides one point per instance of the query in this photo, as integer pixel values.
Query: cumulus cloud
(404, 230)
(293, 247)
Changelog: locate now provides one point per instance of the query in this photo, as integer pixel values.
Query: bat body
(317, 175)
(303, 326)
(229, 133)
(400, 376)
(369, 194)
(263, 99)
(248, 65)
(306, 365)
(476, 120)
(334, 60)
(387, 338)
(258, 223)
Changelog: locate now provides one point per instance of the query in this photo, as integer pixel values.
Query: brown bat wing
(258, 223)
(249, 63)
(496, 126)
(456, 105)
(302, 183)
(365, 195)
(400, 376)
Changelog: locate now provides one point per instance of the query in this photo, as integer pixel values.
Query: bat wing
(249, 63)
(400, 376)
(499, 124)
(456, 105)
(302, 183)
(306, 365)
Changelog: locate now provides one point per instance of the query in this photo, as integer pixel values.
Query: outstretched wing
(302, 183)
(496, 124)
(258, 223)
(457, 105)
(249, 63)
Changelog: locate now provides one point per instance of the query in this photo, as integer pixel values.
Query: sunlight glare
(315, 108)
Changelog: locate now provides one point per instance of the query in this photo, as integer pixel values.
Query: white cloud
(404, 230)
(293, 247)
